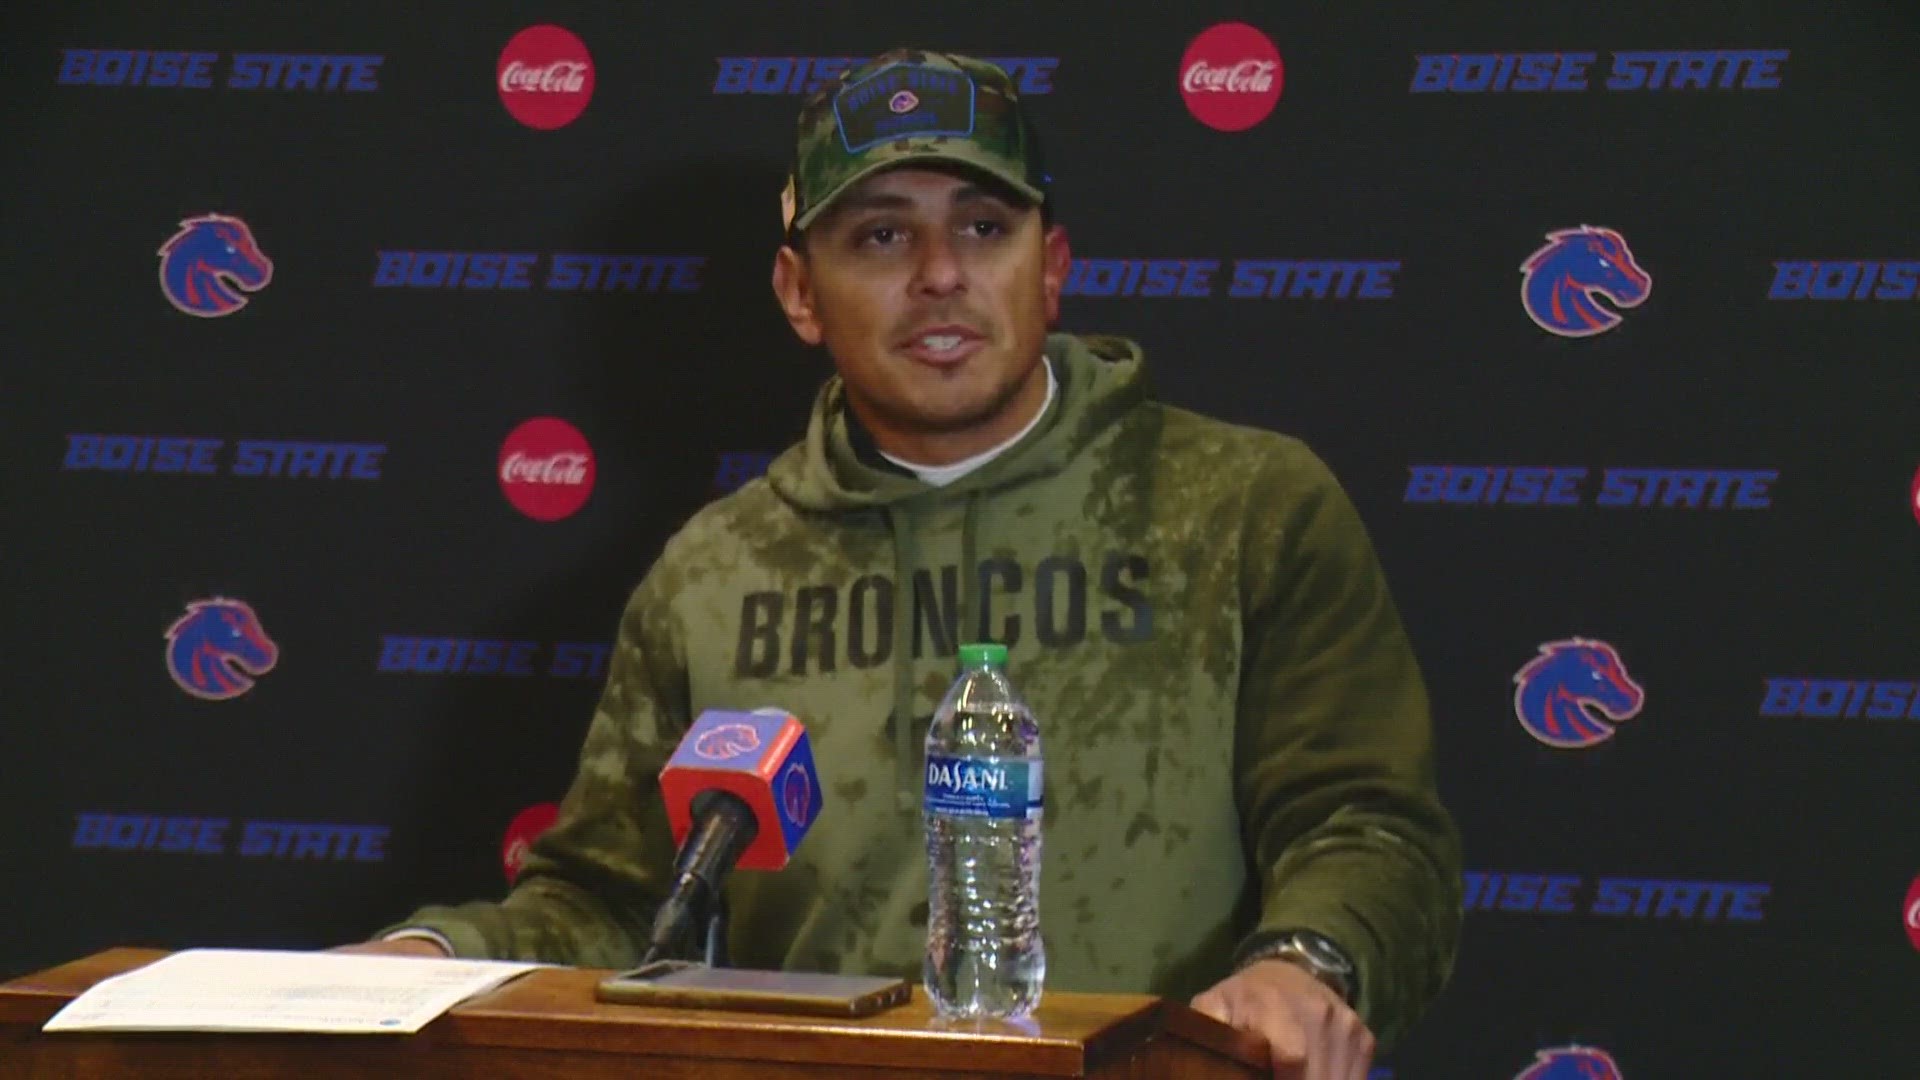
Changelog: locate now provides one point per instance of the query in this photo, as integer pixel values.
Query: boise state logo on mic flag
(1572, 694)
(727, 742)
(1572, 1063)
(1559, 281)
(797, 792)
(211, 257)
(764, 758)
(215, 646)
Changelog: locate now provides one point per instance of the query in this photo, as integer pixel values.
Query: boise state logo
(215, 646)
(1572, 694)
(796, 794)
(1572, 1063)
(203, 264)
(726, 742)
(1559, 281)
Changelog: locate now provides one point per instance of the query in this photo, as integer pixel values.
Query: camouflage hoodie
(1235, 728)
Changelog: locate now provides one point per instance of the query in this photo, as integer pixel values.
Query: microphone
(741, 789)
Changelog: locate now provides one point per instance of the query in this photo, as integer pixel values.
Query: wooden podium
(547, 1024)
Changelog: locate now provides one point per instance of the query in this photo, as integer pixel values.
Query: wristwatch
(1317, 953)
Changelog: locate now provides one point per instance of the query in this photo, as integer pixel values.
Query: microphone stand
(713, 946)
(723, 827)
(716, 947)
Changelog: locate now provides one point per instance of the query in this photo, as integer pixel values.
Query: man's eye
(880, 234)
(986, 227)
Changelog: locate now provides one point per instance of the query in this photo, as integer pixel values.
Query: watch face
(1321, 953)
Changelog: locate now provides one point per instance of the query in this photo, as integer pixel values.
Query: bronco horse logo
(203, 263)
(1558, 693)
(215, 646)
(726, 742)
(796, 793)
(1559, 280)
(1572, 1063)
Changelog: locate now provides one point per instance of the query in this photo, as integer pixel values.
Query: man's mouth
(943, 345)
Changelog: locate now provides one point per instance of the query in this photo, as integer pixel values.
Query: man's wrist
(423, 934)
(1319, 955)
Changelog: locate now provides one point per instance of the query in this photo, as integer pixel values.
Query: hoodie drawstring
(964, 630)
(907, 765)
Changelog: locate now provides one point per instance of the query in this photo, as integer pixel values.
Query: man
(1241, 806)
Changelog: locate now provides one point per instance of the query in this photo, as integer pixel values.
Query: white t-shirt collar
(942, 475)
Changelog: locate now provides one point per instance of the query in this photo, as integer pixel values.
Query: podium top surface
(1070, 1034)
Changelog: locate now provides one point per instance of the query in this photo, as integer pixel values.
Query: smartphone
(687, 985)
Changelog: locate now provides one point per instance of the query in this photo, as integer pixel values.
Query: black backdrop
(337, 792)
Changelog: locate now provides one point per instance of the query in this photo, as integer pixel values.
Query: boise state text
(523, 270)
(1845, 279)
(188, 456)
(161, 834)
(400, 655)
(805, 74)
(1556, 485)
(1837, 699)
(1248, 279)
(194, 70)
(1561, 73)
(1615, 897)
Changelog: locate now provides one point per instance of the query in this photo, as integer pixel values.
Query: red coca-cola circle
(1911, 911)
(1231, 76)
(1914, 495)
(544, 77)
(546, 469)
(522, 831)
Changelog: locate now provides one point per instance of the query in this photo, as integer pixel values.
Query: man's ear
(793, 287)
(1056, 265)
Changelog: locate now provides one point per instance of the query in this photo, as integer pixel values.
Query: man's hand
(396, 947)
(1312, 1033)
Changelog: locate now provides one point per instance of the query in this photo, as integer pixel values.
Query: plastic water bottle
(982, 810)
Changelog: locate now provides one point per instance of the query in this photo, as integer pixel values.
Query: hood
(1100, 377)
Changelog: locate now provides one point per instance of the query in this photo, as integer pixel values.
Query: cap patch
(903, 101)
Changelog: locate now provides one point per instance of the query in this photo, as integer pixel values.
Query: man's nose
(938, 270)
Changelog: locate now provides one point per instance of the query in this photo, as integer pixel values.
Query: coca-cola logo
(1913, 496)
(1913, 913)
(567, 469)
(1245, 77)
(559, 77)
(545, 77)
(1231, 76)
(522, 831)
(546, 469)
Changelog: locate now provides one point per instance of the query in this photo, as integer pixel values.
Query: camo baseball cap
(905, 107)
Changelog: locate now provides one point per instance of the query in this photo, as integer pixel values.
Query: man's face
(933, 296)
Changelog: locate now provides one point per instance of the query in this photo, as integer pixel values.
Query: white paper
(269, 990)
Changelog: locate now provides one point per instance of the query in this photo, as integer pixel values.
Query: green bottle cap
(989, 654)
